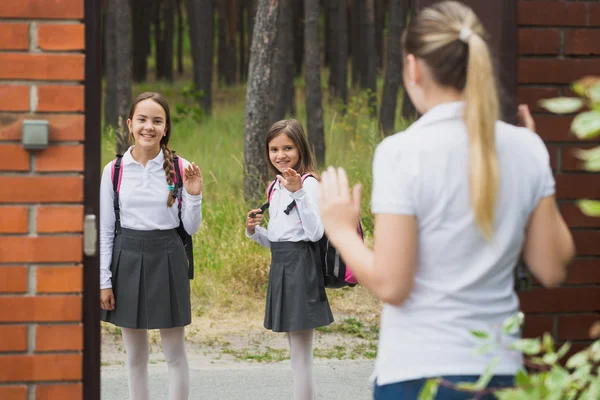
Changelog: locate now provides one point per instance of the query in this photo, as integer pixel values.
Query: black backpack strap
(291, 206)
(116, 174)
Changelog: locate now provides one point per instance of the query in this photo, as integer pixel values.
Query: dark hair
(164, 141)
(293, 129)
(449, 38)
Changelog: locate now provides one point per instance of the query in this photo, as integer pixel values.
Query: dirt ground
(233, 335)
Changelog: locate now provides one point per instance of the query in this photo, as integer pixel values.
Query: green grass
(230, 266)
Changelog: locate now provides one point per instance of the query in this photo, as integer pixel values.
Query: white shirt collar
(441, 112)
(128, 158)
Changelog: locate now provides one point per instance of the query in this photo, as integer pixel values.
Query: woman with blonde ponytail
(143, 267)
(457, 198)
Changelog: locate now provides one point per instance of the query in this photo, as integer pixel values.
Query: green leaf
(586, 125)
(528, 346)
(550, 358)
(557, 380)
(429, 390)
(562, 105)
(513, 324)
(548, 343)
(577, 360)
(484, 379)
(563, 350)
(522, 379)
(589, 207)
(484, 349)
(594, 94)
(480, 334)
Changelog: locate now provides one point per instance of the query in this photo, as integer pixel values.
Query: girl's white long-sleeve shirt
(143, 205)
(302, 224)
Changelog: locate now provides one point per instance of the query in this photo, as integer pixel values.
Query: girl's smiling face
(283, 152)
(148, 124)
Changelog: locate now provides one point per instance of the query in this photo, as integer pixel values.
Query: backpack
(336, 273)
(186, 238)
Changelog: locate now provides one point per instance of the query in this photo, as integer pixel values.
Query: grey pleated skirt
(296, 297)
(150, 281)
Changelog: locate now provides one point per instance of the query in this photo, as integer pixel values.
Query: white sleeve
(395, 181)
(546, 185)
(191, 207)
(260, 236)
(107, 226)
(306, 200)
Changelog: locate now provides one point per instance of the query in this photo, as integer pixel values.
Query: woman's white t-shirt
(462, 282)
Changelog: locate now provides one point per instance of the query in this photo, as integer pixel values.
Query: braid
(170, 174)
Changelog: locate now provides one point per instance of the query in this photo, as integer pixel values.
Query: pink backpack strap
(270, 190)
(112, 174)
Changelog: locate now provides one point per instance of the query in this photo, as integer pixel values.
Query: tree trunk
(168, 17)
(380, 11)
(408, 108)
(298, 36)
(356, 40)
(369, 80)
(257, 96)
(393, 71)
(242, 42)
(222, 42)
(180, 30)
(141, 20)
(118, 77)
(282, 77)
(201, 15)
(250, 17)
(338, 67)
(159, 50)
(314, 108)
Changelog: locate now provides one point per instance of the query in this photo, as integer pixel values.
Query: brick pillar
(559, 42)
(41, 200)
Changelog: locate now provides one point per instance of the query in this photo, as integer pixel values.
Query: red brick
(13, 158)
(13, 280)
(60, 98)
(59, 279)
(63, 67)
(60, 219)
(42, 9)
(61, 37)
(553, 153)
(14, 36)
(566, 299)
(60, 158)
(58, 338)
(43, 367)
(71, 391)
(14, 98)
(17, 392)
(40, 249)
(559, 13)
(587, 242)
(582, 42)
(575, 327)
(576, 219)
(553, 71)
(555, 128)
(41, 189)
(539, 41)
(583, 271)
(537, 325)
(568, 161)
(14, 220)
(14, 338)
(578, 186)
(532, 95)
(40, 309)
(61, 127)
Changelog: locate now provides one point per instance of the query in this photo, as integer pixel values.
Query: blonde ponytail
(481, 113)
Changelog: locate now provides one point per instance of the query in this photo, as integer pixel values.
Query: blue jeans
(409, 390)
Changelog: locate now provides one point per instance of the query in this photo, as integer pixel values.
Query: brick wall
(41, 196)
(559, 42)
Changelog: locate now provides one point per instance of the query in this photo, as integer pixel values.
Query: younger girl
(457, 197)
(143, 267)
(296, 299)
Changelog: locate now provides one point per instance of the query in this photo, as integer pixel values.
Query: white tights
(173, 343)
(301, 355)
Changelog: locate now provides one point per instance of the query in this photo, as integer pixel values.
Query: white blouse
(302, 224)
(143, 205)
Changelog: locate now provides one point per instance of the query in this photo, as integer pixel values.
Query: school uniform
(143, 258)
(296, 297)
(462, 282)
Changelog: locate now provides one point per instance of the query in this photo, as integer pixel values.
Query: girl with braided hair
(143, 267)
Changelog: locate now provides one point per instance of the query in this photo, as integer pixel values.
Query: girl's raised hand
(339, 208)
(192, 179)
(291, 180)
